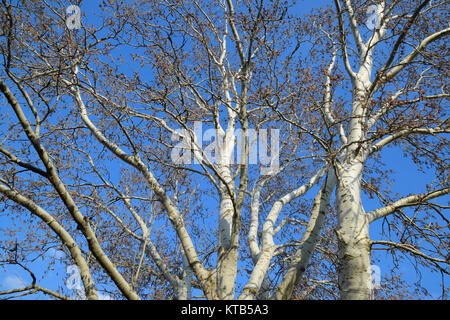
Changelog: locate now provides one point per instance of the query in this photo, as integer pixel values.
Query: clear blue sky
(408, 180)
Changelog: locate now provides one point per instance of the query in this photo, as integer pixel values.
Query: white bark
(268, 246)
(66, 198)
(172, 212)
(185, 290)
(310, 238)
(353, 226)
(405, 202)
(354, 274)
(353, 223)
(228, 254)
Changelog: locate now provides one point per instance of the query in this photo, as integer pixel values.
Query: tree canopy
(224, 149)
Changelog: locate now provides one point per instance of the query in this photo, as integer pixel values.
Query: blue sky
(407, 180)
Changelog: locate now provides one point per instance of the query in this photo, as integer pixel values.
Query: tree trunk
(354, 273)
(310, 238)
(227, 254)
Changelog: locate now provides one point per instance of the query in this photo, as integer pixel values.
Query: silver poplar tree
(102, 154)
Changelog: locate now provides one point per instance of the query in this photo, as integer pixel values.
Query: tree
(103, 154)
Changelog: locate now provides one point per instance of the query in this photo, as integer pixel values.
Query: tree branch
(411, 200)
